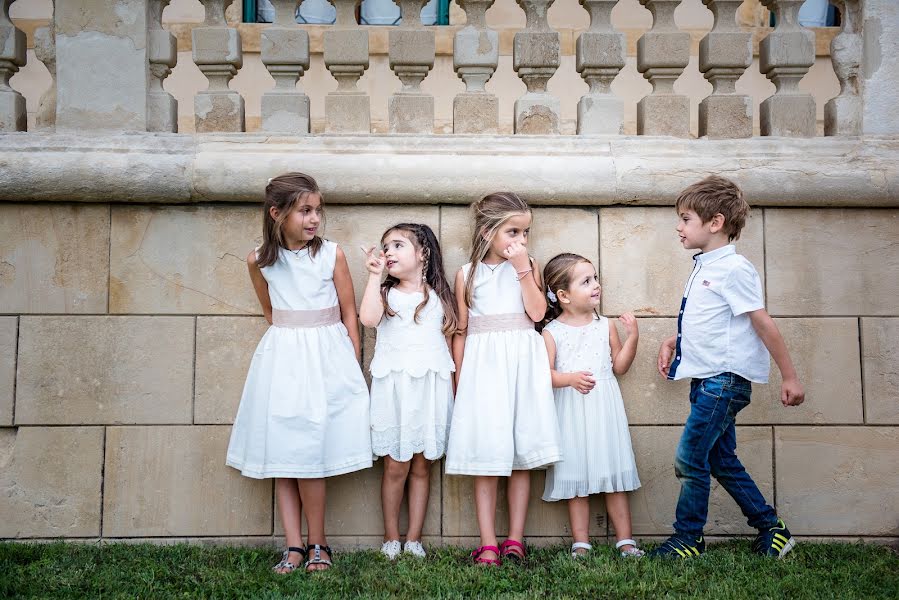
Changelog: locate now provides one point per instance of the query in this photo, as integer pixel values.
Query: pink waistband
(306, 318)
(505, 322)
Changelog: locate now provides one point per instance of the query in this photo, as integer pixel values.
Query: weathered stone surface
(544, 518)
(157, 482)
(348, 113)
(881, 75)
(653, 505)
(411, 113)
(553, 230)
(354, 505)
(832, 262)
(51, 479)
(225, 347)
(826, 355)
(53, 259)
(880, 346)
(354, 226)
(476, 113)
(838, 480)
(725, 116)
(183, 260)
(644, 267)
(74, 370)
(8, 333)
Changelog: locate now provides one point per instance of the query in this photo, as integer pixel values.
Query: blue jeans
(708, 447)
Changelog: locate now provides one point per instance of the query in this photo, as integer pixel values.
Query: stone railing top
(367, 169)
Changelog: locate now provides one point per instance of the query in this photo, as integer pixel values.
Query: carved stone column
(785, 56)
(12, 57)
(535, 57)
(724, 53)
(347, 110)
(599, 57)
(663, 53)
(475, 58)
(218, 54)
(411, 54)
(285, 52)
(843, 114)
(45, 51)
(162, 108)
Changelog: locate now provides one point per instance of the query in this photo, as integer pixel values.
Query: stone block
(216, 111)
(285, 46)
(880, 346)
(216, 45)
(843, 116)
(354, 226)
(832, 261)
(157, 482)
(13, 116)
(346, 47)
(476, 113)
(826, 355)
(599, 50)
(544, 518)
(728, 49)
(787, 49)
(600, 114)
(348, 112)
(8, 340)
(63, 268)
(788, 115)
(663, 50)
(475, 48)
(646, 237)
(411, 47)
(183, 259)
(535, 49)
(162, 112)
(653, 505)
(51, 479)
(838, 480)
(664, 114)
(225, 347)
(285, 112)
(537, 114)
(725, 116)
(411, 113)
(93, 370)
(354, 505)
(553, 230)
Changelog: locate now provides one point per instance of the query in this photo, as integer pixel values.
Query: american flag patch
(706, 282)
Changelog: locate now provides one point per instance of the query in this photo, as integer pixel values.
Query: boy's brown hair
(714, 195)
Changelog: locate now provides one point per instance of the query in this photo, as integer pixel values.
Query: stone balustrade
(662, 56)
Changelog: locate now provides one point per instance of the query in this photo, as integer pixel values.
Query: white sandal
(580, 546)
(633, 552)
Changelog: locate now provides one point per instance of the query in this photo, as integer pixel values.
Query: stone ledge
(373, 169)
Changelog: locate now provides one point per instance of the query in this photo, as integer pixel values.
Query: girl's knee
(421, 467)
(394, 469)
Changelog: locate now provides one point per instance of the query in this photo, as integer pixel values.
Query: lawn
(727, 570)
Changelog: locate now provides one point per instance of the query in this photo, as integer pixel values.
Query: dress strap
(306, 318)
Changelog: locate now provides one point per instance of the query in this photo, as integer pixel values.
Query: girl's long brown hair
(423, 238)
(282, 193)
(557, 276)
(489, 213)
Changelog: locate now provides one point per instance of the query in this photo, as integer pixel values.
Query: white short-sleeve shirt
(714, 332)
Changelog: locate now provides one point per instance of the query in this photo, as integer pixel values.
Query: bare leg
(619, 509)
(289, 507)
(518, 492)
(312, 492)
(392, 483)
(579, 517)
(485, 505)
(419, 489)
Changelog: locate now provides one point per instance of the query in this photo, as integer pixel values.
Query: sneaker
(415, 549)
(679, 546)
(774, 541)
(391, 549)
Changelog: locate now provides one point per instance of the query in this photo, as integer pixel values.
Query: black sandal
(286, 564)
(315, 557)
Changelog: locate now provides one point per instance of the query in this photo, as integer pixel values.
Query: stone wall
(126, 331)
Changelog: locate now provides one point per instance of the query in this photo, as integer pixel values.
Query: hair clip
(551, 296)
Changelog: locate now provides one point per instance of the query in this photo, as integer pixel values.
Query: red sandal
(513, 550)
(479, 560)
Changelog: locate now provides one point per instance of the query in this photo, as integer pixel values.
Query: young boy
(724, 336)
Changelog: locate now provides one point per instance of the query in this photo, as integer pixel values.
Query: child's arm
(528, 273)
(458, 347)
(666, 351)
(346, 298)
(623, 355)
(260, 285)
(582, 381)
(791, 390)
(372, 308)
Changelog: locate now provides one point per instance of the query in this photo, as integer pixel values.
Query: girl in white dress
(303, 415)
(411, 386)
(585, 354)
(504, 421)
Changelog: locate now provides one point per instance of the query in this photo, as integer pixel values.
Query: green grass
(727, 570)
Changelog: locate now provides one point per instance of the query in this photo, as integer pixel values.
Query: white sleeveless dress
(596, 444)
(504, 417)
(304, 409)
(411, 386)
